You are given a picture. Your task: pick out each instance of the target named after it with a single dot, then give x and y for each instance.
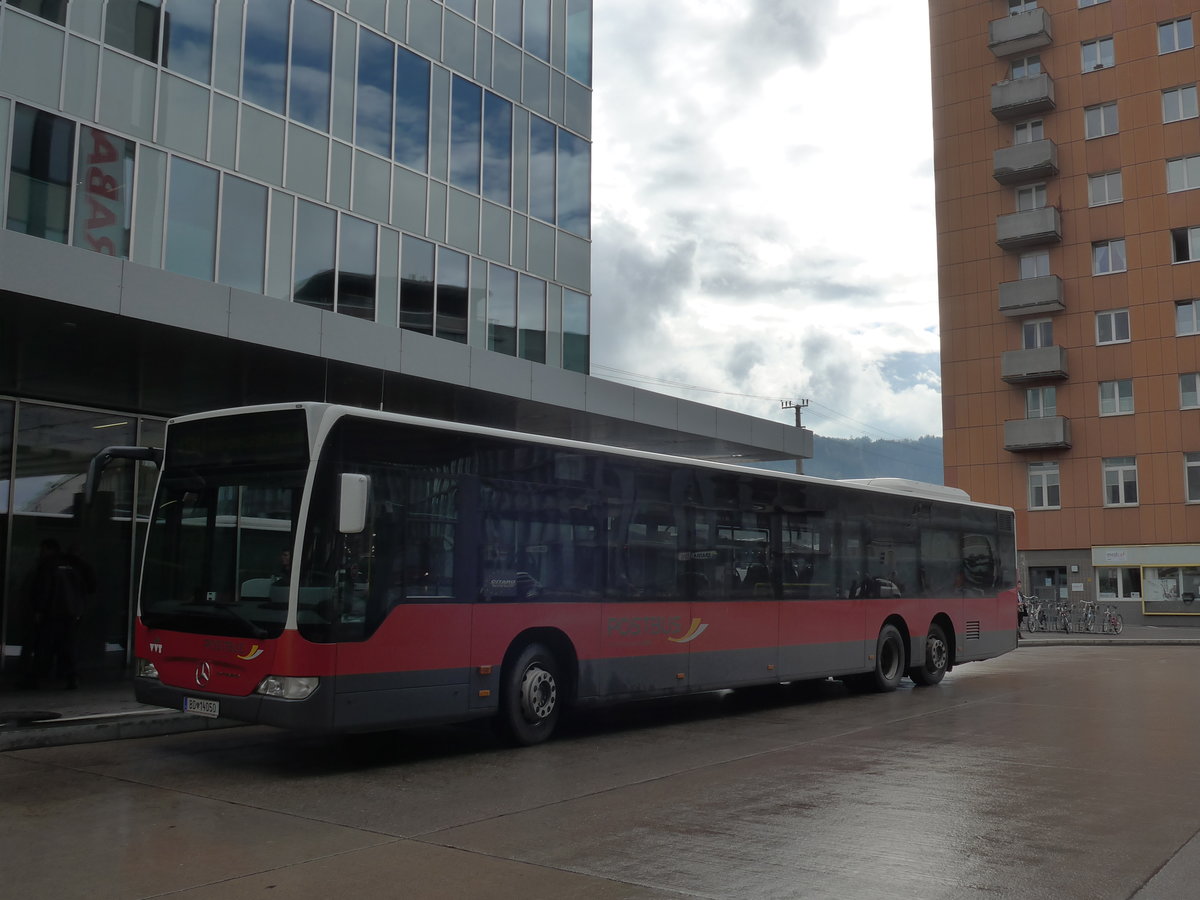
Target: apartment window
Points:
(1191, 470)
(1187, 317)
(1083, 3)
(1028, 132)
(1116, 397)
(1185, 244)
(1108, 257)
(1015, 7)
(1175, 35)
(1112, 326)
(1031, 197)
(1189, 390)
(1179, 103)
(1183, 174)
(1100, 120)
(1120, 481)
(1041, 403)
(1035, 265)
(1026, 67)
(1043, 485)
(1104, 189)
(1097, 54)
(1037, 333)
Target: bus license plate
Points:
(208, 708)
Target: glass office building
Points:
(211, 203)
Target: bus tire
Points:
(937, 658)
(889, 660)
(531, 697)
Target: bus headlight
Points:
(146, 669)
(287, 687)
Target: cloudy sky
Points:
(763, 208)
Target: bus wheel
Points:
(889, 660)
(937, 658)
(530, 703)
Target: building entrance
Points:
(1049, 582)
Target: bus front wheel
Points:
(531, 698)
(889, 660)
(937, 658)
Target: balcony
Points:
(1020, 33)
(1025, 162)
(1037, 364)
(1032, 296)
(1022, 97)
(1037, 434)
(1029, 228)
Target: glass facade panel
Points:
(465, 129)
(412, 111)
(416, 285)
(579, 40)
(51, 10)
(312, 64)
(576, 332)
(502, 310)
(508, 20)
(497, 149)
(132, 26)
(313, 273)
(103, 198)
(452, 296)
(574, 184)
(373, 104)
(243, 234)
(541, 169)
(537, 28)
(265, 67)
(188, 38)
(191, 220)
(357, 268)
(531, 319)
(39, 191)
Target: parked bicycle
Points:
(1111, 621)
(1035, 613)
(1064, 616)
(1087, 617)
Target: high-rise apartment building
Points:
(209, 203)
(1067, 156)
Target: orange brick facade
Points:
(1082, 535)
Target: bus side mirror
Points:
(354, 490)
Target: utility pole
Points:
(797, 405)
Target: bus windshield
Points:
(219, 553)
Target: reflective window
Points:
(1187, 317)
(466, 7)
(1191, 466)
(357, 269)
(502, 310)
(531, 319)
(1174, 36)
(576, 332)
(537, 28)
(465, 127)
(1097, 54)
(191, 220)
(452, 283)
(1037, 333)
(574, 184)
(508, 20)
(373, 103)
(1108, 257)
(497, 149)
(39, 191)
(541, 169)
(1043, 485)
(1116, 397)
(312, 62)
(416, 285)
(102, 201)
(313, 273)
(265, 69)
(579, 40)
(1120, 481)
(1035, 264)
(188, 38)
(1112, 326)
(51, 10)
(242, 261)
(412, 110)
(132, 26)
(1179, 103)
(1028, 132)
(1100, 120)
(1103, 189)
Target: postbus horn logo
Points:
(253, 653)
(693, 632)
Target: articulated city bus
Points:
(326, 568)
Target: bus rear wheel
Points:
(531, 699)
(937, 658)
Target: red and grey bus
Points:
(320, 567)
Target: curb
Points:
(104, 727)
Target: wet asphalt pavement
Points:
(1067, 771)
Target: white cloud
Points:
(763, 207)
